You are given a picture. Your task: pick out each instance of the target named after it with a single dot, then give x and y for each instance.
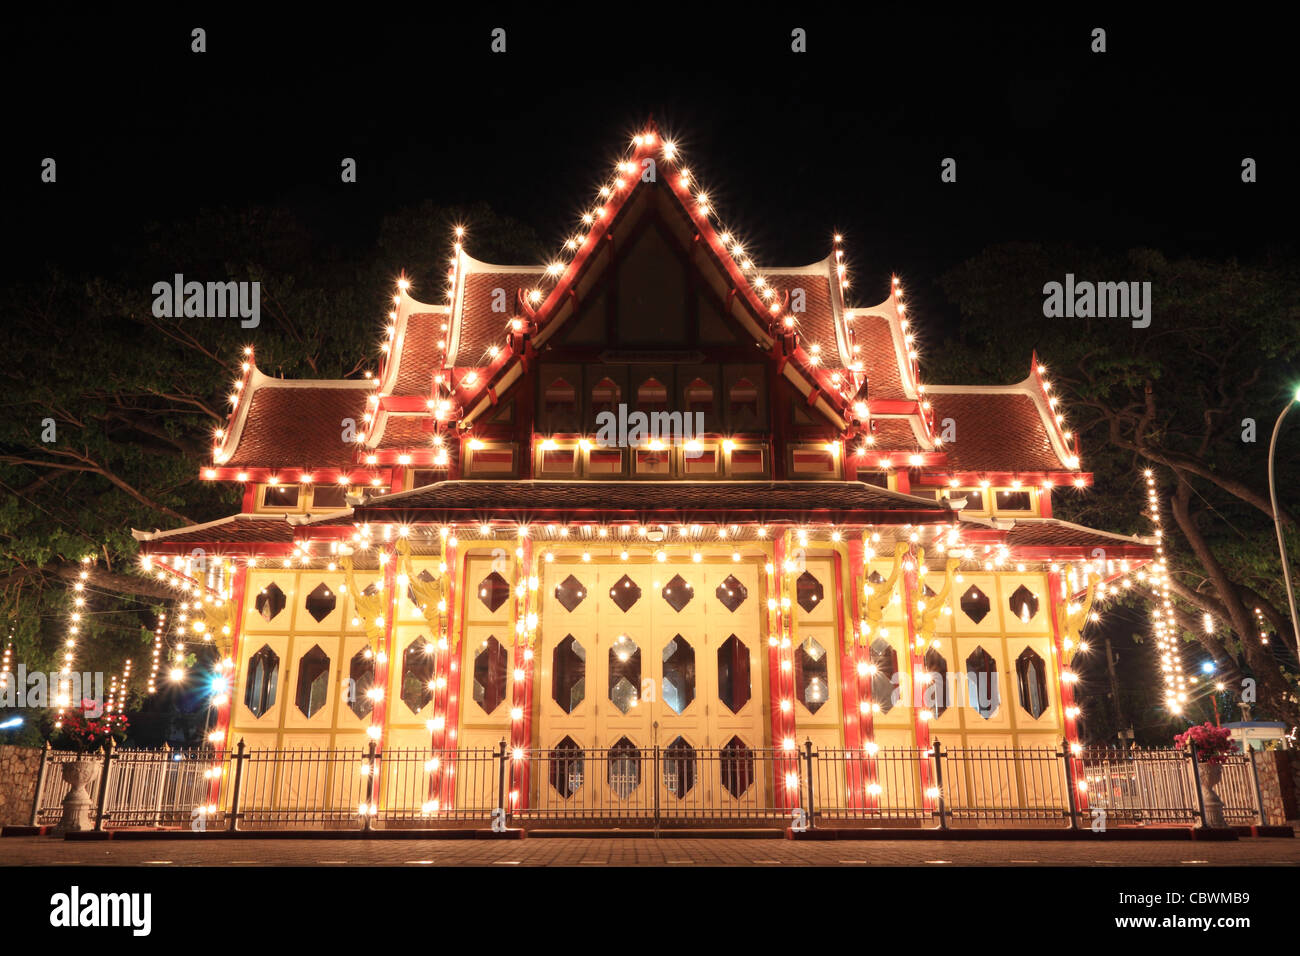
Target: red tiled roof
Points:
(994, 431)
(479, 326)
(403, 431)
(298, 427)
(871, 334)
(893, 434)
(238, 528)
(649, 501)
(418, 354)
(1059, 538)
(817, 323)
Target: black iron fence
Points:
(659, 787)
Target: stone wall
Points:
(18, 768)
(1278, 772)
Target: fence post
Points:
(1071, 787)
(40, 783)
(366, 820)
(1259, 794)
(937, 750)
(808, 761)
(1196, 781)
(239, 779)
(103, 785)
(501, 778)
(162, 784)
(656, 780)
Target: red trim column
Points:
(521, 711)
(911, 587)
(238, 589)
(1058, 601)
(850, 691)
(781, 683)
(379, 715)
(442, 727)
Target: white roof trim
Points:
(229, 519)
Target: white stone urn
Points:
(1211, 774)
(78, 805)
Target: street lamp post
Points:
(1277, 522)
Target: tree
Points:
(110, 409)
(1192, 397)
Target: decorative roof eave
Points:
(406, 306)
(358, 475)
(247, 535)
(975, 531)
(649, 502)
(1031, 386)
(254, 381)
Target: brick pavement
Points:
(678, 851)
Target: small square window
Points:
(421, 477)
(700, 462)
(280, 496)
(329, 496)
(653, 462)
(605, 461)
(747, 461)
(558, 461)
(1010, 500)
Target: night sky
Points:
(1141, 145)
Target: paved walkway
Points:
(40, 851)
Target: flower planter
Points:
(1211, 774)
(78, 805)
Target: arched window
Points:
(699, 397)
(605, 396)
(742, 405)
(652, 396)
(560, 406)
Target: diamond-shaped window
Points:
(270, 601)
(566, 767)
(975, 604)
(679, 674)
(570, 592)
(1031, 674)
(493, 591)
(731, 593)
(982, 682)
(568, 674)
(884, 659)
(679, 767)
(313, 681)
(934, 696)
(263, 674)
(371, 589)
(625, 593)
(1024, 603)
(417, 674)
(490, 665)
(812, 674)
(678, 592)
(320, 602)
(624, 768)
(361, 677)
(928, 591)
(624, 673)
(737, 766)
(808, 591)
(733, 673)
(875, 577)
